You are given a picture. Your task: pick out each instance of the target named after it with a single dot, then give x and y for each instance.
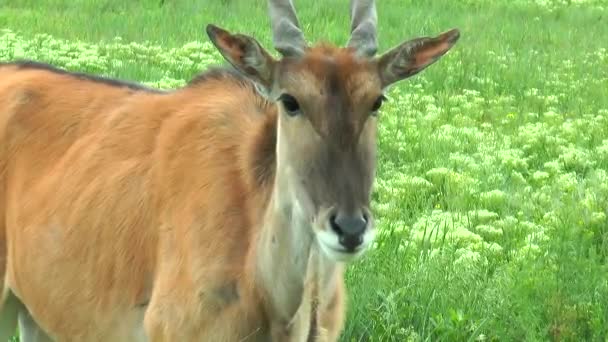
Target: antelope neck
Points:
(291, 271)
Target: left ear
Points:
(244, 53)
(411, 57)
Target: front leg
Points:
(162, 323)
(171, 314)
(331, 318)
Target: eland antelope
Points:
(225, 210)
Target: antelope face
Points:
(328, 100)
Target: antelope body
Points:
(222, 211)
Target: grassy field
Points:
(492, 191)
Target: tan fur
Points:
(201, 214)
(115, 196)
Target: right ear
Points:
(411, 57)
(244, 53)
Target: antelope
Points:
(225, 210)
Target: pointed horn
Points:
(286, 34)
(364, 21)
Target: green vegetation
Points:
(492, 192)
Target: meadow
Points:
(492, 189)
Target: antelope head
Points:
(328, 100)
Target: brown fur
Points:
(90, 171)
(101, 180)
(132, 215)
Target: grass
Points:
(492, 190)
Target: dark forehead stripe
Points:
(335, 118)
(340, 119)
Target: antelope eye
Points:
(377, 104)
(291, 105)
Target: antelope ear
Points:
(244, 53)
(411, 57)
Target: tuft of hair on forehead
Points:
(327, 48)
(342, 56)
(325, 61)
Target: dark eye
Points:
(291, 105)
(376, 106)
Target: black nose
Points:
(350, 229)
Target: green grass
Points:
(492, 193)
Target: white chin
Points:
(334, 251)
(341, 256)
